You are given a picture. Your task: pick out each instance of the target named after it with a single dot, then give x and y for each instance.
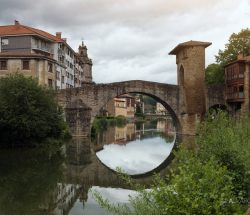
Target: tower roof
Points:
(189, 43)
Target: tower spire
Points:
(82, 41)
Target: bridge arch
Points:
(172, 112)
(97, 95)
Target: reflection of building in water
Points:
(166, 126)
(115, 135)
(122, 106)
(161, 125)
(66, 196)
(60, 200)
(124, 134)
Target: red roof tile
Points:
(18, 30)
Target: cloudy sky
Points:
(131, 39)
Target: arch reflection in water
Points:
(150, 147)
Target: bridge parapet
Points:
(215, 96)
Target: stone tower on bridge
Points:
(190, 60)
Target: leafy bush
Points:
(227, 140)
(29, 112)
(194, 188)
(212, 179)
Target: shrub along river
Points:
(52, 181)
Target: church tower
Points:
(87, 63)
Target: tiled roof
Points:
(18, 29)
(188, 43)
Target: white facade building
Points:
(44, 56)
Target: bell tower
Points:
(87, 63)
(190, 60)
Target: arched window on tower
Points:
(181, 76)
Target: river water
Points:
(49, 181)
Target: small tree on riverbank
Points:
(29, 112)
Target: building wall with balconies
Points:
(57, 64)
(17, 43)
(237, 83)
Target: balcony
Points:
(235, 96)
(45, 50)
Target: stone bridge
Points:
(96, 96)
(187, 102)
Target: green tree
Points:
(29, 112)
(238, 43)
(214, 74)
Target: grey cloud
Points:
(130, 39)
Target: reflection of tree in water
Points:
(155, 133)
(102, 124)
(152, 124)
(28, 183)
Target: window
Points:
(50, 67)
(241, 91)
(58, 75)
(26, 64)
(3, 65)
(5, 41)
(62, 79)
(50, 83)
(181, 76)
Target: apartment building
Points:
(122, 106)
(160, 109)
(237, 81)
(44, 56)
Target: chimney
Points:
(17, 22)
(59, 35)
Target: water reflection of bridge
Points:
(84, 170)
